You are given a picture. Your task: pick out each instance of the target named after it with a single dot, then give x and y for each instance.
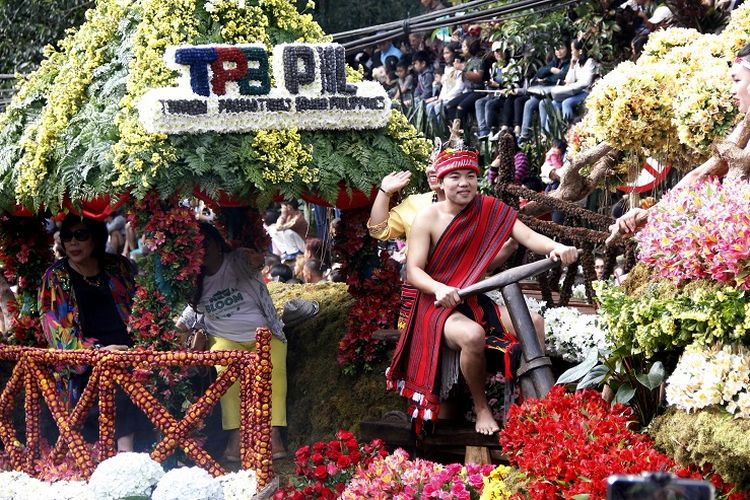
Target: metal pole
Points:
(538, 369)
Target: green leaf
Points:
(624, 394)
(594, 377)
(654, 377)
(579, 371)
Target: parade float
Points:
(145, 104)
(241, 103)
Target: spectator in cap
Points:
(487, 107)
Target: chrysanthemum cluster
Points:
(571, 334)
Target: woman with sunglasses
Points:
(234, 302)
(84, 303)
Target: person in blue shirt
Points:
(386, 49)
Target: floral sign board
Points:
(227, 88)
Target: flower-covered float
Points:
(112, 119)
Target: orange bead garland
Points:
(79, 414)
(106, 416)
(33, 375)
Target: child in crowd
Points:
(452, 87)
(404, 87)
(425, 76)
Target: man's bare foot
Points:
(485, 423)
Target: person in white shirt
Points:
(453, 86)
(234, 302)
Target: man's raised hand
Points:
(395, 182)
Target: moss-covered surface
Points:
(320, 399)
(707, 436)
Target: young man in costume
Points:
(451, 245)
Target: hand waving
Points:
(395, 182)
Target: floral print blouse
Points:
(59, 309)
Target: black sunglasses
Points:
(78, 234)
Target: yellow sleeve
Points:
(389, 229)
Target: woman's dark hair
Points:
(282, 272)
(474, 45)
(210, 233)
(294, 203)
(581, 47)
(98, 230)
(744, 51)
(270, 217)
(314, 246)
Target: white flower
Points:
(179, 110)
(188, 483)
(21, 486)
(708, 377)
(571, 334)
(239, 485)
(70, 490)
(125, 475)
(743, 405)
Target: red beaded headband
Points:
(450, 160)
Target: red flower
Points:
(320, 472)
(343, 462)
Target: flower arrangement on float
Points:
(702, 232)
(569, 444)
(660, 42)
(706, 110)
(322, 470)
(573, 335)
(631, 109)
(25, 252)
(397, 476)
(133, 476)
(119, 51)
(374, 282)
(716, 376)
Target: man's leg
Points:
(536, 318)
(467, 337)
